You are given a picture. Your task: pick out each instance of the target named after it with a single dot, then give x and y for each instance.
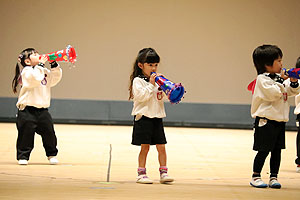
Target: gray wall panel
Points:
(118, 113)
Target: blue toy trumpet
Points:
(173, 91)
(292, 73)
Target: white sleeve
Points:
(141, 92)
(291, 91)
(55, 75)
(267, 89)
(297, 104)
(32, 76)
(297, 99)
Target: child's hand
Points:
(283, 75)
(44, 59)
(152, 78)
(158, 74)
(293, 80)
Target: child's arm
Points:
(55, 73)
(141, 92)
(297, 99)
(297, 104)
(292, 87)
(267, 89)
(32, 76)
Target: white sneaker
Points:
(143, 179)
(23, 162)
(53, 160)
(274, 183)
(165, 178)
(298, 169)
(257, 182)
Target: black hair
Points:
(25, 54)
(298, 63)
(264, 56)
(146, 55)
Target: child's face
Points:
(276, 67)
(148, 68)
(33, 59)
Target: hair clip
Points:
(20, 57)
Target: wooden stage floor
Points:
(206, 164)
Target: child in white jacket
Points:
(33, 102)
(271, 111)
(148, 111)
(297, 112)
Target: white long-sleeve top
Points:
(35, 86)
(297, 104)
(147, 99)
(269, 99)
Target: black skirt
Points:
(148, 131)
(269, 136)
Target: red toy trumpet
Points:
(66, 55)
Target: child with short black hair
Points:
(271, 111)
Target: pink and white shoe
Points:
(144, 179)
(165, 178)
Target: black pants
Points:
(33, 120)
(274, 161)
(297, 161)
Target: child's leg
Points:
(26, 129)
(275, 162)
(142, 177)
(274, 166)
(143, 155)
(163, 170)
(162, 155)
(298, 147)
(259, 162)
(257, 167)
(46, 130)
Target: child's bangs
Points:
(152, 58)
(29, 51)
